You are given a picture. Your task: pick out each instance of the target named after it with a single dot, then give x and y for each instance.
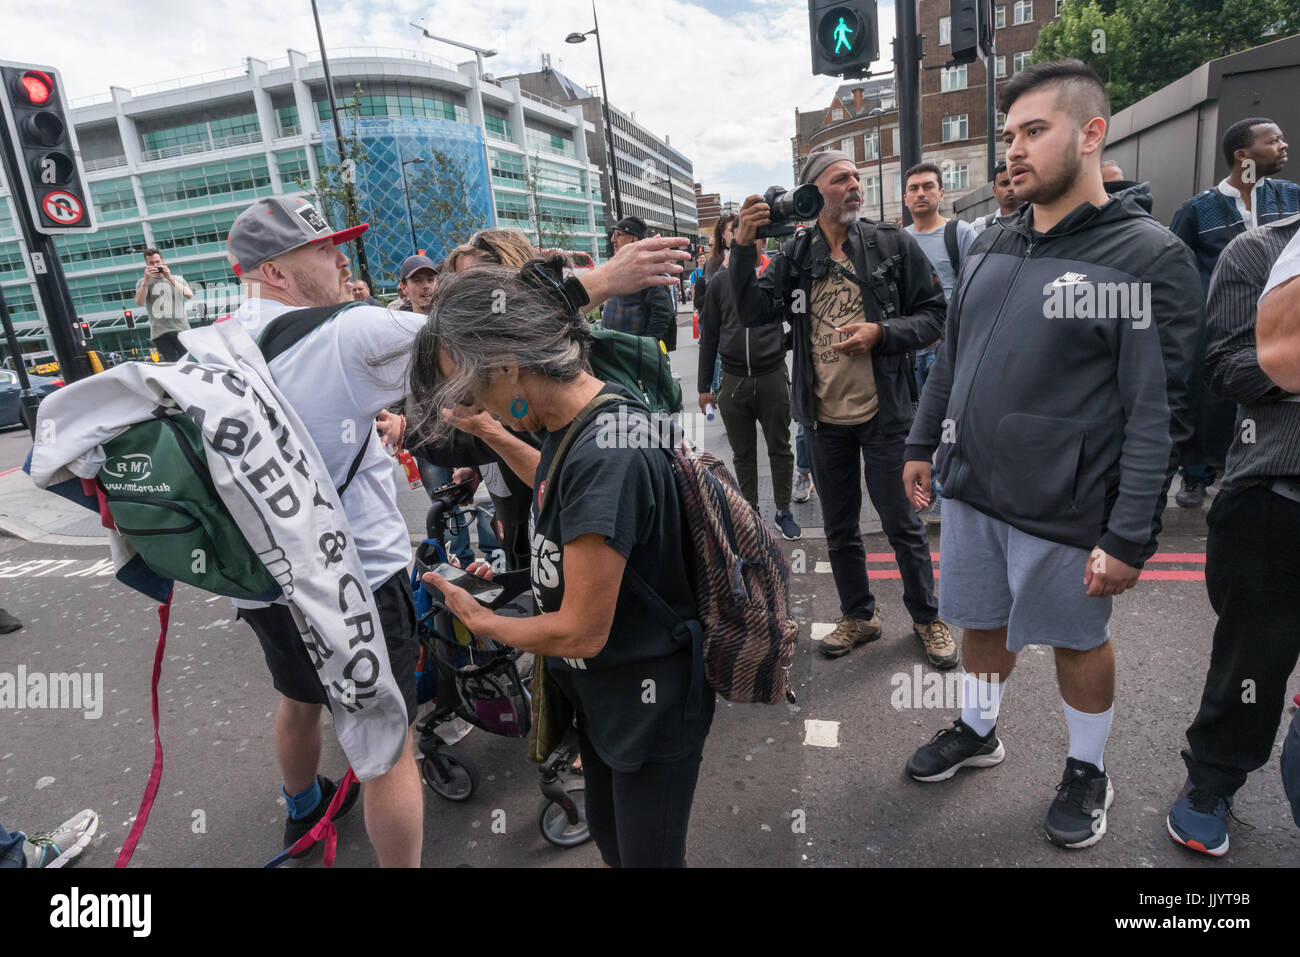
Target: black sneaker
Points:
(8, 622)
(294, 829)
(952, 749)
(1192, 494)
(1077, 817)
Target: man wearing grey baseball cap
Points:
(338, 378)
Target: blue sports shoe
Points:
(1199, 820)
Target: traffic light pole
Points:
(60, 316)
(27, 398)
(907, 63)
(991, 110)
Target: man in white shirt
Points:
(1005, 196)
(338, 378)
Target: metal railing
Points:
(104, 162)
(293, 129)
(201, 146)
(93, 100)
(194, 79)
(396, 53)
(542, 100)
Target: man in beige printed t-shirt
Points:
(844, 384)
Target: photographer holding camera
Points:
(859, 296)
(164, 295)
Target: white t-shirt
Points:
(329, 379)
(1248, 216)
(1286, 267)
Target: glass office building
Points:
(171, 165)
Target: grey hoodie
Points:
(1059, 396)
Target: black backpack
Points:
(950, 241)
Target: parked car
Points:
(42, 363)
(11, 410)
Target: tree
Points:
(439, 200)
(1139, 46)
(552, 232)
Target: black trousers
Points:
(835, 451)
(747, 402)
(169, 347)
(1252, 575)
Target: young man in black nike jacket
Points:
(1056, 405)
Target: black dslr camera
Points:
(789, 208)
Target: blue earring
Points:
(519, 407)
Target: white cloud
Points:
(722, 78)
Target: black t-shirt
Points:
(632, 696)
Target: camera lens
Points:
(806, 202)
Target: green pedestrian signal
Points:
(844, 37)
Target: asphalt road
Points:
(774, 790)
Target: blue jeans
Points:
(717, 375)
(11, 848)
(802, 464)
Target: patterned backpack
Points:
(740, 576)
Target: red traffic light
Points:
(126, 313)
(37, 87)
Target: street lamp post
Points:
(604, 97)
(880, 160)
(410, 217)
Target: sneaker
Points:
(57, 847)
(934, 514)
(940, 649)
(803, 487)
(1199, 820)
(848, 634)
(8, 622)
(1077, 817)
(1192, 494)
(295, 828)
(790, 531)
(952, 749)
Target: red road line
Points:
(10, 471)
(1198, 557)
(1167, 575)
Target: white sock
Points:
(980, 701)
(1088, 734)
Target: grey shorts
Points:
(993, 576)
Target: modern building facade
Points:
(171, 165)
(708, 207)
(646, 163)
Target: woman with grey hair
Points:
(606, 520)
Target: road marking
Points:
(822, 568)
(820, 629)
(821, 734)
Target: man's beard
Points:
(318, 294)
(1048, 191)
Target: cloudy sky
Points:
(721, 77)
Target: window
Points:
(1024, 11)
(898, 187)
(293, 170)
(956, 176)
(215, 183)
(286, 120)
(871, 190)
(507, 168)
(511, 210)
(954, 127)
(105, 293)
(953, 78)
(544, 141)
(12, 265)
(395, 105)
(114, 199)
(999, 66)
(871, 146)
(22, 303)
(7, 227)
(846, 146)
(837, 114)
(1020, 60)
(498, 127)
(111, 246)
(564, 180)
(945, 31)
(1001, 119)
(1057, 12)
(190, 235)
(999, 17)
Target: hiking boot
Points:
(953, 749)
(1199, 820)
(1077, 815)
(803, 487)
(940, 649)
(57, 847)
(294, 829)
(1192, 494)
(8, 622)
(848, 634)
(790, 531)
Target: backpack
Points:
(950, 242)
(159, 491)
(744, 634)
(638, 365)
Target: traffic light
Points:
(130, 319)
(845, 38)
(972, 29)
(45, 149)
(86, 334)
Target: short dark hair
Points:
(1080, 90)
(1000, 168)
(920, 168)
(1239, 137)
(151, 252)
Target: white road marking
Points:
(822, 568)
(821, 734)
(820, 629)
